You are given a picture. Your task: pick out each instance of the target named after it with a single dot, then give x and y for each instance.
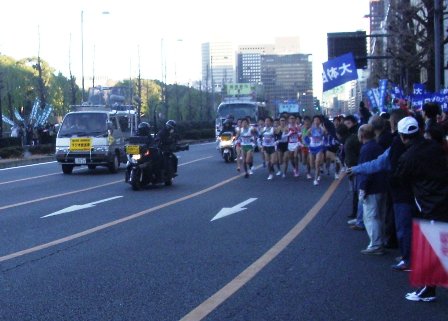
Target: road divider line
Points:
(116, 222)
(29, 165)
(28, 178)
(81, 190)
(209, 305)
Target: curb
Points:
(25, 161)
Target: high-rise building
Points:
(218, 64)
(248, 68)
(288, 78)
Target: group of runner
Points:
(290, 139)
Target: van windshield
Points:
(84, 124)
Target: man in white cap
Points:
(424, 167)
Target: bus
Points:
(240, 108)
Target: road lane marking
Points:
(28, 178)
(209, 305)
(116, 222)
(74, 208)
(82, 190)
(226, 211)
(18, 167)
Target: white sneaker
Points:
(250, 172)
(283, 176)
(279, 173)
(351, 222)
(315, 182)
(336, 176)
(308, 176)
(270, 177)
(318, 178)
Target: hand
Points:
(362, 194)
(349, 171)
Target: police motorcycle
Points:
(149, 162)
(226, 146)
(226, 142)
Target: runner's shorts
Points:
(269, 150)
(282, 147)
(317, 149)
(292, 147)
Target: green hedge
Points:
(10, 141)
(42, 149)
(11, 152)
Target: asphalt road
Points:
(157, 254)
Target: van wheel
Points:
(113, 167)
(67, 169)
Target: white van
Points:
(95, 135)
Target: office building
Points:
(218, 64)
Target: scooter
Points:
(226, 146)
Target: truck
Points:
(95, 133)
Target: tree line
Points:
(24, 80)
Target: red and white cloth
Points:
(429, 257)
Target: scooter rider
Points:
(167, 143)
(227, 126)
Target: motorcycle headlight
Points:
(136, 157)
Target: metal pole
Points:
(437, 46)
(213, 84)
(82, 53)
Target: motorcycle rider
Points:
(144, 134)
(227, 126)
(167, 141)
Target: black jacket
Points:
(423, 166)
(167, 141)
(352, 147)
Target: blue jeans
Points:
(403, 223)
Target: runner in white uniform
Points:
(294, 144)
(246, 139)
(268, 143)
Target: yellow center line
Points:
(244, 277)
(79, 190)
(116, 222)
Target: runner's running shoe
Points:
(425, 294)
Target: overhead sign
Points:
(239, 89)
(288, 108)
(339, 71)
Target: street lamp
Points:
(82, 53)
(82, 50)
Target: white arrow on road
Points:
(226, 211)
(80, 207)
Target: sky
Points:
(122, 37)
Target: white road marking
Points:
(226, 211)
(74, 208)
(16, 167)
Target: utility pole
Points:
(1, 113)
(437, 45)
(82, 53)
(139, 85)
